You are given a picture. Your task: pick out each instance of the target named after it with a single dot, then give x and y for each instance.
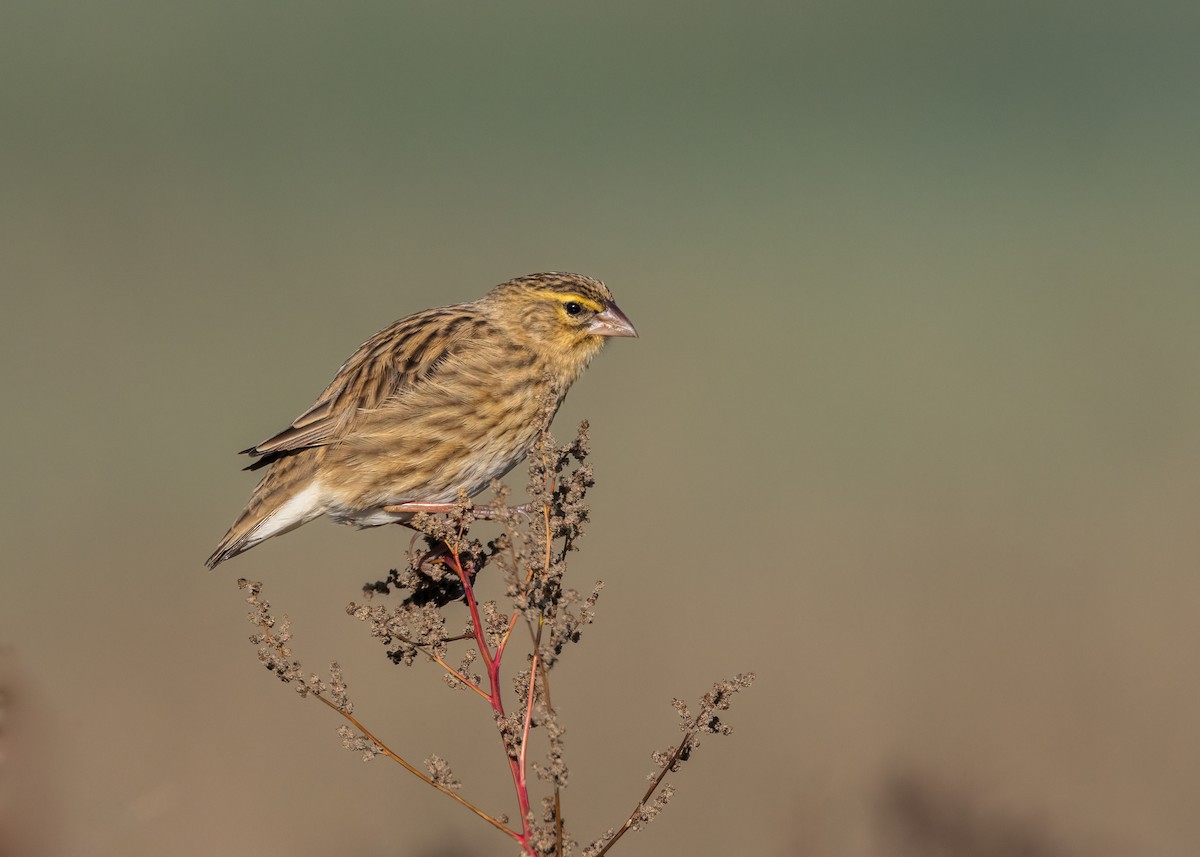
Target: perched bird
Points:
(442, 400)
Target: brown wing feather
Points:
(392, 360)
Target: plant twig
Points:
(395, 757)
(492, 664)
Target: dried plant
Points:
(531, 556)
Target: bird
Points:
(438, 402)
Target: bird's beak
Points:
(611, 322)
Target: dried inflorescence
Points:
(538, 614)
(555, 769)
(406, 630)
(658, 794)
(440, 773)
(272, 639)
(707, 720)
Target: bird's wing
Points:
(398, 357)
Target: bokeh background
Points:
(911, 429)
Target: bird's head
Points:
(564, 318)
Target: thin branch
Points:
(512, 620)
(421, 647)
(387, 751)
(493, 670)
(629, 822)
(558, 822)
(533, 672)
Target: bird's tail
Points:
(279, 505)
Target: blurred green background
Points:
(911, 428)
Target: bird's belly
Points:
(365, 507)
(375, 516)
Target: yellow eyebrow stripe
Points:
(565, 297)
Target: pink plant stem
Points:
(512, 623)
(533, 668)
(492, 664)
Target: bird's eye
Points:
(573, 307)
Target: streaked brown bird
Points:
(442, 400)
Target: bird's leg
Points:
(439, 553)
(431, 508)
(482, 513)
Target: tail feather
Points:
(243, 535)
(230, 546)
(277, 506)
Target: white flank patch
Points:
(302, 508)
(368, 517)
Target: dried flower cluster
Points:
(531, 555)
